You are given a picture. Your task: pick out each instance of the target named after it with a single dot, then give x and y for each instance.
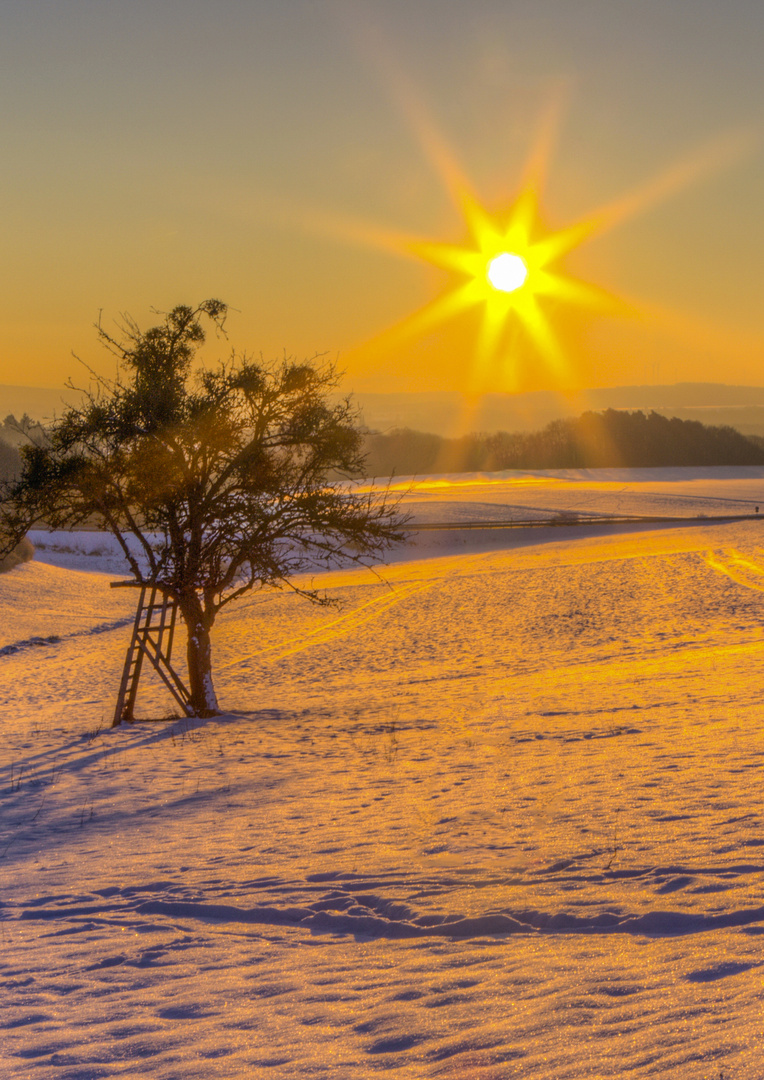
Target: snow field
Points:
(496, 816)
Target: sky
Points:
(277, 153)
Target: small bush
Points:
(22, 553)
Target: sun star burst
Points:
(509, 269)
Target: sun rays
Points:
(507, 270)
(510, 267)
(505, 278)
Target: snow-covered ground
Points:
(497, 815)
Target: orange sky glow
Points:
(343, 173)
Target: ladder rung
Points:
(155, 618)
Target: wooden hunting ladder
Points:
(152, 639)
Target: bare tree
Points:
(214, 482)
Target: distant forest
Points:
(13, 433)
(10, 461)
(610, 439)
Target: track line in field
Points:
(339, 627)
(361, 616)
(740, 569)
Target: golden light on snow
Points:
(507, 272)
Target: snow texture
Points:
(496, 815)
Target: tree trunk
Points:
(203, 698)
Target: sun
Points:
(509, 268)
(507, 272)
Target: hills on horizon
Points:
(448, 413)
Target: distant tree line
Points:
(610, 439)
(24, 428)
(13, 434)
(10, 460)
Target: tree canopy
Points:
(213, 481)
